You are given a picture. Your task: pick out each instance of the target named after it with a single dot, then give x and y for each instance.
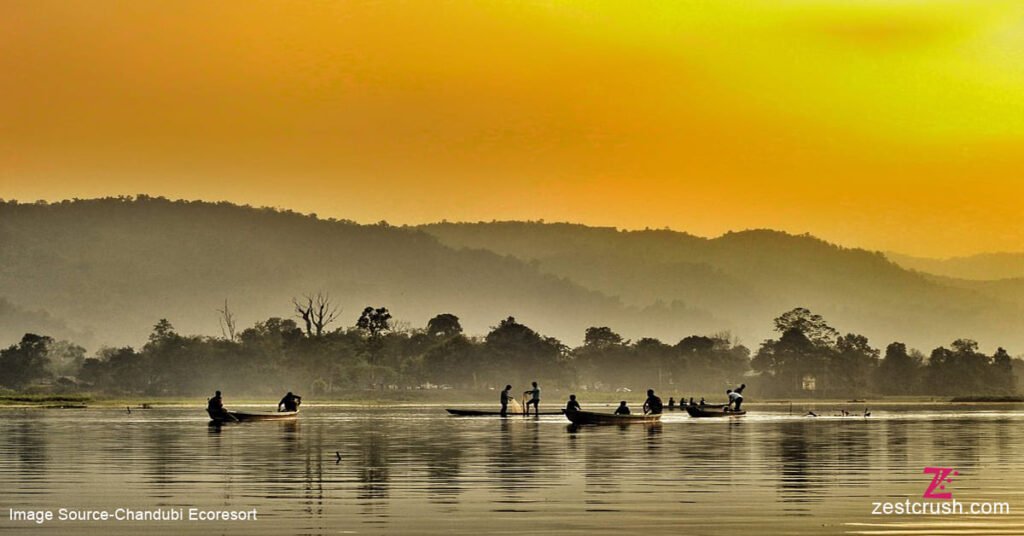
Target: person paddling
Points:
(572, 405)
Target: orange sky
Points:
(894, 125)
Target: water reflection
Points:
(416, 470)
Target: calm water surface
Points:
(419, 471)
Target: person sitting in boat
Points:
(653, 403)
(534, 399)
(572, 404)
(623, 409)
(215, 405)
(735, 400)
(505, 396)
(691, 401)
(671, 402)
(290, 402)
(702, 401)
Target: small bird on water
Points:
(338, 454)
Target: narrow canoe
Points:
(239, 416)
(491, 413)
(589, 417)
(707, 411)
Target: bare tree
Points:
(317, 312)
(227, 322)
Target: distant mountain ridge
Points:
(112, 267)
(749, 277)
(984, 266)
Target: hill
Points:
(104, 271)
(749, 277)
(113, 267)
(985, 266)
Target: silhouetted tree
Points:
(316, 312)
(899, 372)
(444, 325)
(374, 321)
(25, 362)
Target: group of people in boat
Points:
(735, 400)
(652, 405)
(532, 398)
(290, 402)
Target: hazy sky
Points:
(887, 124)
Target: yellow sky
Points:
(894, 125)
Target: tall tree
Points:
(25, 362)
(316, 312)
(444, 325)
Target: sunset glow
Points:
(892, 125)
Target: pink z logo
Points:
(939, 480)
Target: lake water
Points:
(419, 471)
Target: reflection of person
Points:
(623, 409)
(735, 399)
(653, 403)
(572, 404)
(534, 399)
(290, 402)
(504, 400)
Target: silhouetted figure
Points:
(534, 399)
(505, 396)
(215, 404)
(691, 401)
(623, 409)
(702, 401)
(866, 413)
(671, 402)
(290, 402)
(653, 403)
(572, 404)
(735, 400)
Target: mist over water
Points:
(417, 470)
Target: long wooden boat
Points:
(492, 413)
(708, 411)
(240, 416)
(590, 417)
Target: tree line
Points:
(808, 358)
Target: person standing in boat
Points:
(534, 399)
(290, 402)
(572, 404)
(671, 403)
(505, 396)
(623, 409)
(735, 399)
(652, 405)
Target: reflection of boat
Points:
(239, 416)
(589, 417)
(492, 413)
(712, 411)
